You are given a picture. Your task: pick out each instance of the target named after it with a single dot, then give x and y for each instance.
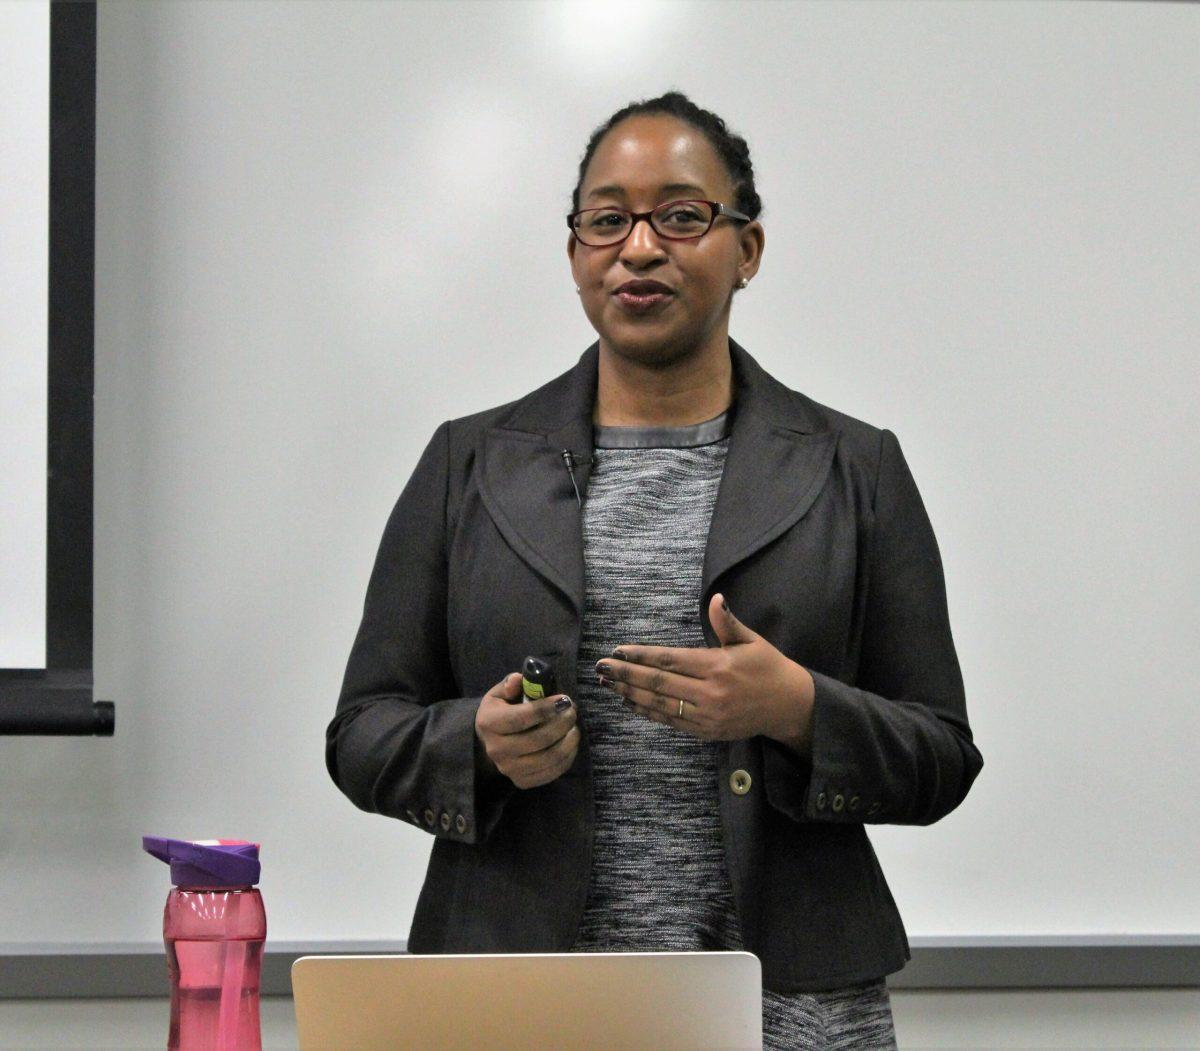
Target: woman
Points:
(743, 598)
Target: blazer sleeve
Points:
(401, 743)
(896, 746)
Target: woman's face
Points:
(642, 162)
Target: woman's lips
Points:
(642, 304)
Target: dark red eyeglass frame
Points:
(718, 209)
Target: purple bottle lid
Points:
(207, 862)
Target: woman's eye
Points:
(607, 219)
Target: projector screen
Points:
(47, 365)
(24, 336)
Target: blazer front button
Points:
(838, 802)
(820, 800)
(739, 782)
(445, 821)
(430, 817)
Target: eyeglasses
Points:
(675, 220)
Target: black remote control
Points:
(537, 680)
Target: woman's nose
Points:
(642, 239)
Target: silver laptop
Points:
(640, 1001)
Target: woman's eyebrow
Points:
(619, 191)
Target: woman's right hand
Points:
(530, 743)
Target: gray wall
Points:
(981, 233)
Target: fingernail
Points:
(724, 604)
(604, 681)
(620, 655)
(603, 669)
(562, 704)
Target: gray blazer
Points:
(821, 542)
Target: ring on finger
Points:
(679, 715)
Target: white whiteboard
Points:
(981, 232)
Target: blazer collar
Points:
(780, 452)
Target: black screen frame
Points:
(58, 699)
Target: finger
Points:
(522, 719)
(512, 753)
(507, 688)
(692, 661)
(729, 629)
(536, 739)
(495, 711)
(660, 710)
(505, 718)
(653, 715)
(560, 754)
(651, 680)
(540, 734)
(548, 765)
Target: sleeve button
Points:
(838, 803)
(873, 809)
(445, 821)
(820, 800)
(854, 803)
(430, 817)
(460, 824)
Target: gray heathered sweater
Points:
(659, 880)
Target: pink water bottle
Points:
(214, 927)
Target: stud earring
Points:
(577, 288)
(743, 283)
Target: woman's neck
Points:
(692, 389)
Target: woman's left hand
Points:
(744, 688)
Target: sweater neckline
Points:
(616, 436)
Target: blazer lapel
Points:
(779, 457)
(524, 481)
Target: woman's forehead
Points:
(642, 156)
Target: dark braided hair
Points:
(731, 148)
